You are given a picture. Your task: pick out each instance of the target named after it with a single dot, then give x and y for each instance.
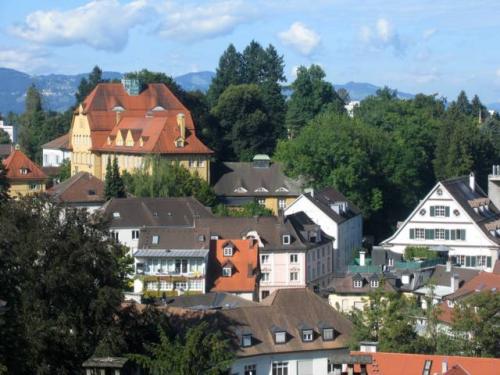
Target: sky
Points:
(429, 46)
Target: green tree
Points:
(4, 184)
(162, 178)
(462, 104)
(64, 170)
(114, 187)
(311, 95)
(62, 278)
(244, 121)
(88, 84)
(228, 72)
(248, 210)
(199, 351)
(4, 137)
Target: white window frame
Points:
(440, 211)
(250, 370)
(228, 251)
(280, 368)
(419, 233)
(264, 276)
(261, 201)
(227, 271)
(281, 203)
(286, 239)
(246, 340)
(374, 283)
(280, 337)
(155, 240)
(135, 234)
(328, 334)
(307, 335)
(264, 258)
(439, 234)
(294, 258)
(358, 283)
(294, 276)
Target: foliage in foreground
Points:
(248, 210)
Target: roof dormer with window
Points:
(306, 333)
(228, 249)
(286, 239)
(279, 335)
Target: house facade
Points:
(131, 123)
(338, 218)
(56, 151)
(24, 176)
(455, 218)
(260, 181)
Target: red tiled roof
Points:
(80, 188)
(445, 313)
(244, 264)
(496, 269)
(157, 128)
(404, 364)
(482, 282)
(457, 370)
(18, 161)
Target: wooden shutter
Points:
(446, 234)
(473, 261)
(462, 234)
(432, 211)
(447, 211)
(453, 231)
(488, 262)
(412, 234)
(467, 261)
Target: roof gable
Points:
(20, 167)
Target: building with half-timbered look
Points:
(129, 121)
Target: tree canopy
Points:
(114, 186)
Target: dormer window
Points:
(261, 190)
(280, 337)
(374, 283)
(328, 334)
(286, 239)
(240, 190)
(282, 190)
(155, 240)
(307, 335)
(23, 170)
(357, 283)
(246, 340)
(179, 142)
(228, 249)
(227, 271)
(116, 215)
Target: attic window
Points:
(158, 108)
(307, 335)
(179, 142)
(282, 190)
(358, 283)
(286, 239)
(280, 337)
(116, 215)
(261, 190)
(155, 240)
(327, 334)
(246, 340)
(228, 251)
(227, 271)
(374, 283)
(91, 192)
(427, 367)
(201, 238)
(240, 190)
(23, 170)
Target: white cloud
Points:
(25, 59)
(300, 37)
(498, 72)
(189, 22)
(429, 33)
(382, 35)
(100, 24)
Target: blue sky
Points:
(438, 46)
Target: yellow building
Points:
(260, 181)
(122, 121)
(24, 176)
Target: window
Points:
(114, 235)
(358, 283)
(327, 334)
(280, 337)
(246, 340)
(294, 276)
(420, 234)
(483, 261)
(264, 276)
(264, 294)
(439, 234)
(390, 262)
(280, 368)
(165, 285)
(152, 285)
(457, 234)
(24, 170)
(155, 240)
(281, 203)
(250, 370)
(135, 234)
(180, 285)
(286, 239)
(460, 259)
(116, 215)
(374, 283)
(33, 186)
(334, 368)
(261, 201)
(201, 163)
(196, 284)
(427, 367)
(192, 163)
(226, 271)
(264, 258)
(307, 335)
(440, 211)
(228, 251)
(294, 258)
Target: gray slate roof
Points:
(211, 300)
(324, 198)
(245, 175)
(167, 212)
(174, 238)
(442, 277)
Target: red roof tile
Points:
(158, 128)
(21, 168)
(404, 364)
(243, 262)
(482, 282)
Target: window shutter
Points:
(412, 234)
(431, 234)
(488, 262)
(427, 234)
(447, 234)
(473, 261)
(453, 231)
(462, 234)
(432, 211)
(447, 211)
(467, 261)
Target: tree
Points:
(87, 85)
(462, 104)
(114, 187)
(248, 210)
(244, 121)
(162, 178)
(4, 184)
(4, 137)
(64, 170)
(311, 95)
(199, 351)
(62, 277)
(228, 72)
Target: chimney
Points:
(494, 186)
(448, 266)
(362, 261)
(444, 366)
(454, 282)
(181, 122)
(472, 181)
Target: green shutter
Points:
(446, 234)
(432, 236)
(412, 234)
(462, 234)
(488, 262)
(453, 231)
(432, 210)
(447, 211)
(467, 261)
(473, 261)
(427, 234)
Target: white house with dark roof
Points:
(456, 218)
(337, 217)
(56, 151)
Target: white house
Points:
(128, 215)
(456, 217)
(337, 217)
(10, 130)
(56, 151)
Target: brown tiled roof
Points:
(288, 309)
(244, 261)
(18, 161)
(405, 364)
(344, 285)
(60, 143)
(80, 188)
(442, 277)
(158, 128)
(210, 300)
(496, 269)
(5, 150)
(139, 212)
(484, 281)
(51, 171)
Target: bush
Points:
(422, 252)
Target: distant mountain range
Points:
(58, 90)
